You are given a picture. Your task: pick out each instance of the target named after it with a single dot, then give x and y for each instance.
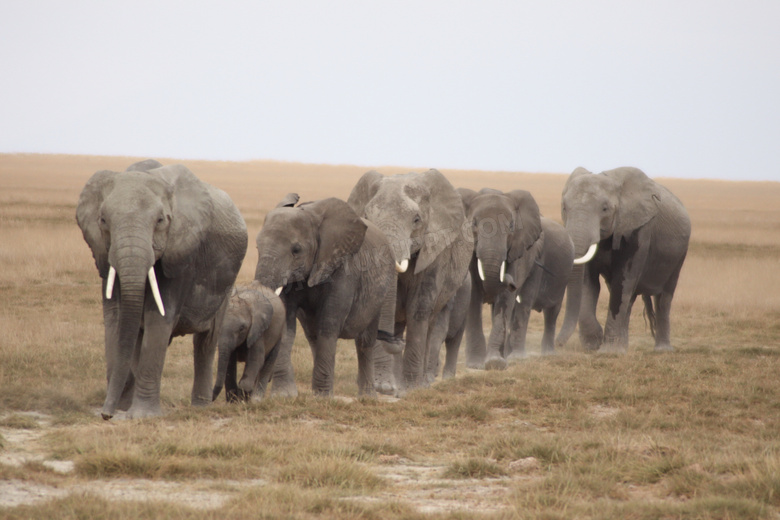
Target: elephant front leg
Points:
(415, 354)
(283, 379)
(475, 337)
(495, 358)
(149, 367)
(548, 338)
(518, 332)
(324, 364)
(364, 345)
(590, 331)
(436, 336)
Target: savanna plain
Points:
(694, 433)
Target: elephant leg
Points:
(324, 364)
(452, 343)
(386, 365)
(204, 346)
(548, 338)
(521, 312)
(261, 383)
(364, 345)
(283, 379)
(415, 354)
(590, 331)
(149, 367)
(494, 359)
(231, 379)
(475, 337)
(616, 327)
(663, 309)
(436, 336)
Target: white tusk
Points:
(278, 290)
(519, 300)
(403, 266)
(481, 271)
(588, 255)
(156, 291)
(503, 271)
(110, 282)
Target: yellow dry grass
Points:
(692, 434)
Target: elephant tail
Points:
(649, 313)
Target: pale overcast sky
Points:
(679, 88)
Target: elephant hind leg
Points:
(364, 345)
(548, 338)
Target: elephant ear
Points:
(466, 195)
(340, 233)
(289, 200)
(528, 224)
(364, 191)
(88, 213)
(445, 219)
(262, 312)
(638, 201)
(144, 166)
(192, 213)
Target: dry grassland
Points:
(690, 434)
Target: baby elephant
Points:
(252, 333)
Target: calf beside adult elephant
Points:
(326, 264)
(634, 233)
(252, 333)
(168, 248)
(521, 262)
(422, 216)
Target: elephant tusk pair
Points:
(482, 270)
(588, 256)
(152, 281)
(403, 266)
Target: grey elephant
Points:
(168, 248)
(422, 216)
(327, 265)
(252, 333)
(521, 262)
(634, 233)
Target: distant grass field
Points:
(689, 434)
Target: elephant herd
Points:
(402, 266)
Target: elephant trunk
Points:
(255, 357)
(270, 274)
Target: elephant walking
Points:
(252, 332)
(634, 233)
(326, 263)
(422, 216)
(168, 248)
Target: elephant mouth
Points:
(111, 280)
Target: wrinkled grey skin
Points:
(642, 231)
(333, 278)
(195, 238)
(449, 328)
(252, 333)
(422, 216)
(542, 291)
(507, 232)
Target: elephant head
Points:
(140, 225)
(602, 210)
(306, 243)
(420, 213)
(507, 236)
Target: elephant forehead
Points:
(591, 188)
(491, 204)
(287, 221)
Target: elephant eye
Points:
(296, 249)
(605, 209)
(416, 220)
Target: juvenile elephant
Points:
(252, 333)
(327, 265)
(633, 232)
(422, 216)
(168, 248)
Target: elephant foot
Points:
(142, 411)
(548, 351)
(495, 363)
(664, 347)
(613, 348)
(516, 356)
(391, 344)
(385, 385)
(284, 389)
(448, 374)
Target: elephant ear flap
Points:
(192, 212)
(262, 313)
(639, 196)
(340, 235)
(364, 191)
(528, 224)
(466, 195)
(445, 220)
(88, 214)
(288, 201)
